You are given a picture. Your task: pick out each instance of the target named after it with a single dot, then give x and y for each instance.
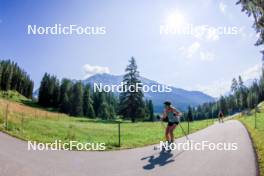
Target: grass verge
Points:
(257, 134)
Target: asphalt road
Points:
(16, 160)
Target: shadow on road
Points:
(161, 160)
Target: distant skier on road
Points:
(221, 117)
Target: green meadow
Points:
(31, 123)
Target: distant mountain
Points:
(179, 97)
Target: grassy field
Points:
(39, 125)
(257, 134)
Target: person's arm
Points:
(164, 115)
(178, 113)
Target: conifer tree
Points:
(190, 115)
(65, 91)
(77, 100)
(88, 110)
(131, 101)
(43, 98)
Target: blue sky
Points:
(207, 63)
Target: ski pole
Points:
(184, 132)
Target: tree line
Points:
(75, 98)
(241, 98)
(12, 77)
(78, 99)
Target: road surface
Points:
(16, 160)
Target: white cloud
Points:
(192, 49)
(195, 51)
(212, 35)
(214, 89)
(90, 70)
(222, 7)
(200, 32)
(222, 86)
(252, 72)
(207, 56)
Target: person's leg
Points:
(167, 136)
(171, 132)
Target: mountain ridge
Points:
(179, 97)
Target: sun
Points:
(175, 19)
